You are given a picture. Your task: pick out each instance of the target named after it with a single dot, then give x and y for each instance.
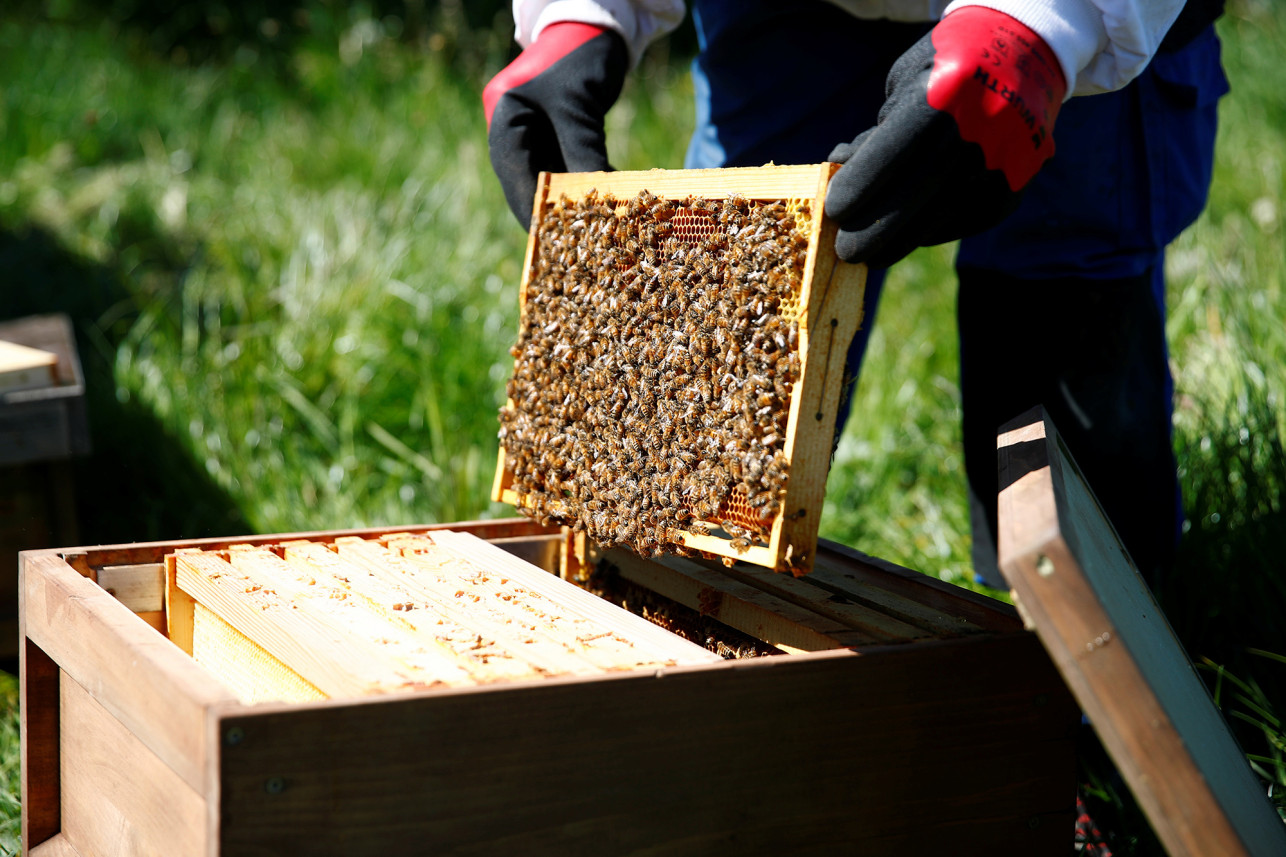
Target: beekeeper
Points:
(945, 115)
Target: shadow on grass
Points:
(1227, 596)
(267, 30)
(138, 483)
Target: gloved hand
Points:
(967, 121)
(545, 110)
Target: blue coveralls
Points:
(1073, 281)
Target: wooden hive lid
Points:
(1075, 584)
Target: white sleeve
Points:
(638, 21)
(1101, 44)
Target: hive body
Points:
(132, 746)
(680, 360)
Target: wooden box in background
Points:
(42, 427)
(904, 716)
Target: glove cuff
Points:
(555, 42)
(1002, 84)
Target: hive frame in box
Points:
(830, 311)
(948, 744)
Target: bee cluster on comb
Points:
(679, 361)
(655, 365)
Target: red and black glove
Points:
(968, 119)
(545, 110)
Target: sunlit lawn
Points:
(299, 267)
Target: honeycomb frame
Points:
(830, 301)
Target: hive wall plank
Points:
(38, 714)
(140, 587)
(118, 798)
(89, 557)
(744, 608)
(142, 679)
(800, 591)
(394, 775)
(919, 598)
(1095, 615)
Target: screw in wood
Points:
(234, 736)
(274, 785)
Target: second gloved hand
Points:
(967, 121)
(545, 110)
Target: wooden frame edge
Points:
(1189, 776)
(800, 516)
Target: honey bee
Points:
(647, 354)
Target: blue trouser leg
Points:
(1092, 352)
(1131, 171)
(1063, 304)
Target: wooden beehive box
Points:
(680, 360)
(43, 425)
(43, 421)
(900, 716)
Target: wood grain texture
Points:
(767, 182)
(89, 558)
(407, 652)
(142, 679)
(752, 611)
(336, 660)
(1107, 635)
(879, 625)
(822, 757)
(243, 666)
(179, 608)
(492, 623)
(58, 846)
(483, 659)
(140, 587)
(575, 601)
(850, 572)
(119, 799)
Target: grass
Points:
(294, 283)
